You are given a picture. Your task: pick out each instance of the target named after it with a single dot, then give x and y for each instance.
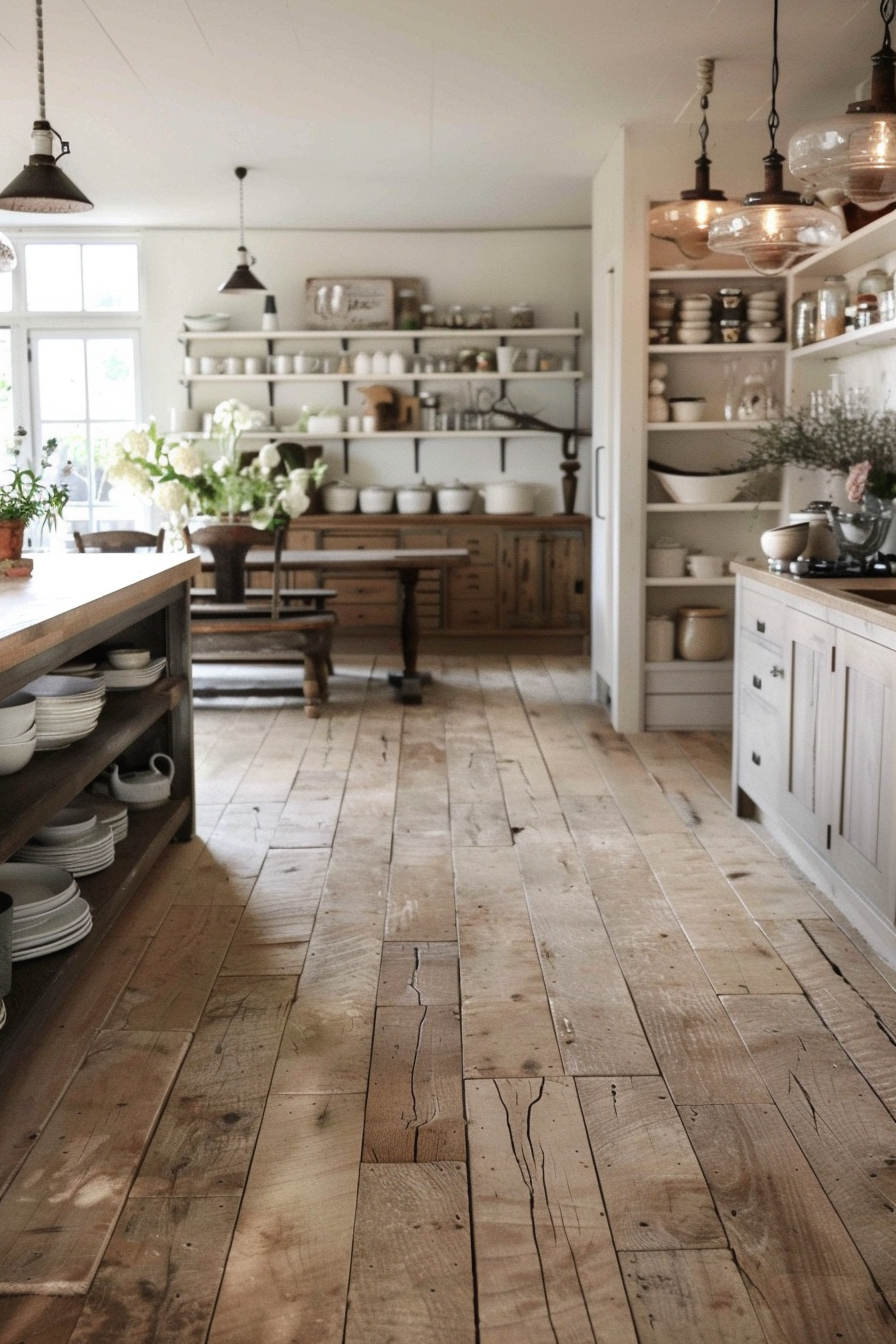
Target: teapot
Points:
(142, 789)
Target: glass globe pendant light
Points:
(242, 281)
(42, 187)
(773, 229)
(854, 156)
(686, 222)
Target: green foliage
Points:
(26, 497)
(833, 443)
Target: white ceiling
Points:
(393, 113)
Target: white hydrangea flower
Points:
(138, 442)
(221, 467)
(185, 459)
(269, 457)
(232, 416)
(293, 499)
(170, 496)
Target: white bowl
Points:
(376, 499)
(687, 410)
(413, 499)
(340, 497)
(29, 735)
(128, 658)
(719, 488)
(16, 714)
(706, 566)
(207, 321)
(666, 562)
(692, 336)
(785, 543)
(455, 498)
(15, 755)
(69, 824)
(762, 333)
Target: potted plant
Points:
(849, 440)
(25, 497)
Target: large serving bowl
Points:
(16, 755)
(691, 488)
(860, 534)
(785, 543)
(16, 714)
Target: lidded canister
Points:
(702, 634)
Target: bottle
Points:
(269, 320)
(804, 320)
(427, 315)
(833, 297)
(408, 316)
(522, 315)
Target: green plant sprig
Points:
(834, 443)
(25, 496)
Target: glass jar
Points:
(522, 315)
(487, 319)
(803, 325)
(833, 297)
(662, 305)
(407, 318)
(875, 281)
(429, 412)
(866, 311)
(427, 315)
(456, 316)
(702, 634)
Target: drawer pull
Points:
(760, 626)
(777, 671)
(757, 682)
(757, 760)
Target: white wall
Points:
(551, 268)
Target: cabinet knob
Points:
(757, 682)
(777, 671)
(756, 759)
(760, 626)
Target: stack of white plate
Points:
(75, 840)
(67, 708)
(131, 678)
(48, 910)
(107, 809)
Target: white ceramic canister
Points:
(376, 499)
(666, 559)
(397, 363)
(340, 497)
(363, 363)
(379, 363)
(414, 498)
(455, 498)
(702, 634)
(659, 644)
(821, 544)
(508, 497)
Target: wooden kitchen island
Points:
(72, 607)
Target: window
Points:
(81, 277)
(85, 397)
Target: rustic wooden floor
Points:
(473, 1021)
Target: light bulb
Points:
(686, 224)
(871, 165)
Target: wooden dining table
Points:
(407, 564)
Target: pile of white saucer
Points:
(75, 840)
(67, 708)
(109, 810)
(131, 678)
(48, 912)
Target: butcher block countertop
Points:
(68, 592)
(869, 600)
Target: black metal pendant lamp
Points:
(42, 187)
(686, 222)
(242, 281)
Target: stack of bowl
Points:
(18, 731)
(694, 319)
(764, 316)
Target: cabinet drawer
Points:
(477, 581)
(355, 541)
(762, 670)
(481, 542)
(423, 539)
(357, 588)
(758, 755)
(762, 616)
(363, 614)
(465, 613)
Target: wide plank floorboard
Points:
(470, 1022)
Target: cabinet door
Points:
(522, 578)
(862, 840)
(566, 586)
(806, 794)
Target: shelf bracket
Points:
(416, 456)
(345, 456)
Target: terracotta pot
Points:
(12, 539)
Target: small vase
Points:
(12, 539)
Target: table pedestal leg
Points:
(409, 681)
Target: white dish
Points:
(28, 736)
(74, 668)
(719, 488)
(57, 686)
(128, 658)
(16, 714)
(65, 919)
(207, 321)
(67, 940)
(686, 338)
(687, 410)
(15, 756)
(68, 824)
(14, 877)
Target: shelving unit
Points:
(344, 341)
(683, 694)
(68, 607)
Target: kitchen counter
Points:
(865, 599)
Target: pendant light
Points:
(686, 222)
(242, 281)
(773, 228)
(42, 187)
(854, 155)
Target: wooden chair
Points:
(117, 542)
(257, 631)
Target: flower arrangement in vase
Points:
(848, 440)
(178, 477)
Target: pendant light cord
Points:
(774, 120)
(887, 11)
(705, 69)
(240, 173)
(41, 95)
